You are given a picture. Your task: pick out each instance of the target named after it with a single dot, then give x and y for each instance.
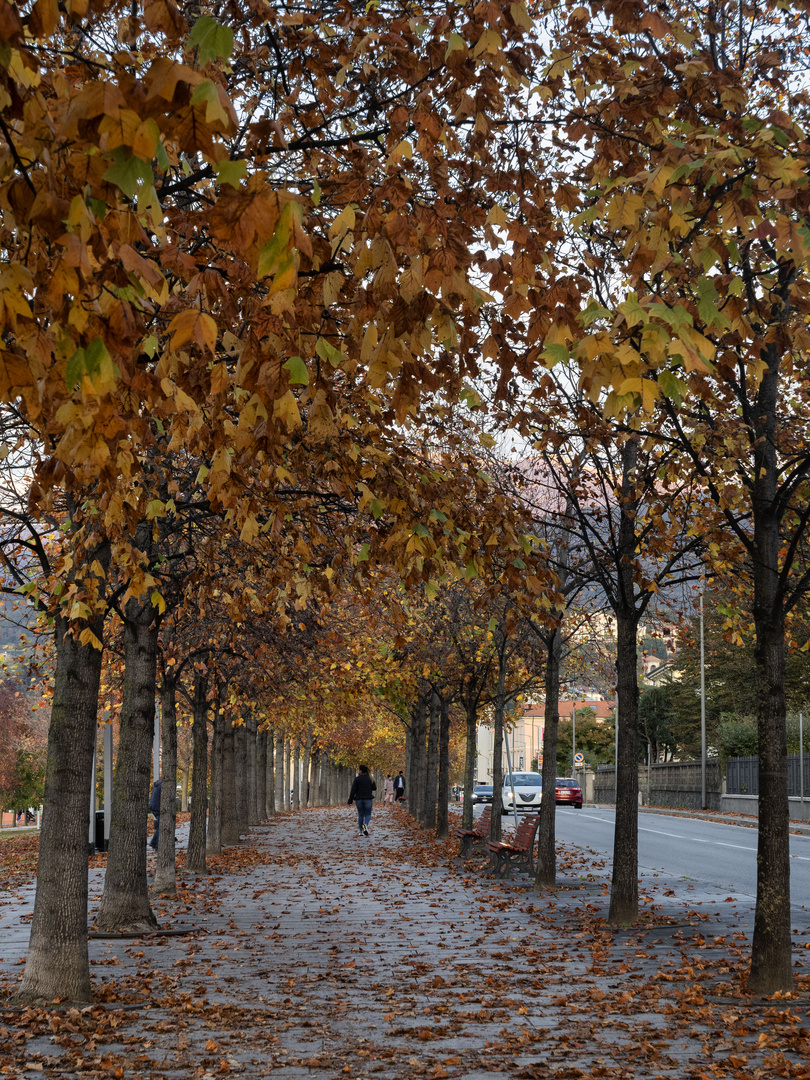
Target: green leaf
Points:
(74, 369)
(432, 589)
(326, 351)
(455, 42)
(299, 375)
(593, 311)
(95, 354)
(154, 509)
(128, 173)
(363, 555)
(231, 172)
(377, 509)
(212, 40)
(671, 386)
(420, 530)
(556, 353)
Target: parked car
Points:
(528, 788)
(482, 793)
(568, 791)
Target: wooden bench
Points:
(473, 840)
(514, 854)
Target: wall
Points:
(673, 783)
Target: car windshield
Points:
(483, 787)
(567, 783)
(524, 779)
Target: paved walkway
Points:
(317, 953)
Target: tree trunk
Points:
(470, 755)
(624, 888)
(125, 900)
(261, 776)
(442, 807)
(195, 856)
(417, 769)
(213, 844)
(306, 781)
(270, 787)
(495, 827)
(296, 784)
(165, 883)
(287, 773)
(771, 968)
(546, 874)
(57, 964)
(240, 778)
(279, 771)
(184, 792)
(432, 763)
(253, 817)
(230, 814)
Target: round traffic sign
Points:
(579, 759)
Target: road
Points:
(676, 852)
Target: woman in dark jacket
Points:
(362, 795)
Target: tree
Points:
(695, 209)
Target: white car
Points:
(528, 788)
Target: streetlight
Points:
(702, 711)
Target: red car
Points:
(568, 791)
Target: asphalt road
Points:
(688, 854)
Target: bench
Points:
(473, 839)
(517, 853)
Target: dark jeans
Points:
(154, 841)
(363, 812)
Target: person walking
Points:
(362, 795)
(399, 787)
(388, 791)
(154, 806)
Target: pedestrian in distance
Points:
(154, 806)
(388, 791)
(399, 787)
(362, 795)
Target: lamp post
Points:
(573, 737)
(702, 712)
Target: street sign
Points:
(579, 759)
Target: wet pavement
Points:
(314, 952)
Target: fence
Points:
(742, 775)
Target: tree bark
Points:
(442, 804)
(296, 764)
(496, 821)
(432, 763)
(546, 873)
(287, 773)
(270, 789)
(624, 887)
(184, 792)
(261, 776)
(253, 817)
(279, 771)
(125, 899)
(470, 756)
(306, 781)
(195, 856)
(213, 844)
(165, 883)
(57, 964)
(771, 967)
(230, 814)
(240, 778)
(416, 772)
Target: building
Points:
(526, 734)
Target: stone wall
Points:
(673, 783)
